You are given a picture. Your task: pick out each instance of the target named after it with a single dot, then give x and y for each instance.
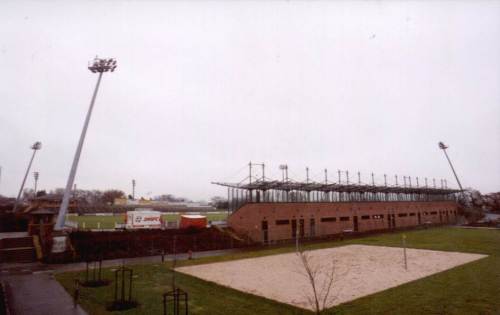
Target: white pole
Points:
(65, 202)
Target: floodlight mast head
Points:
(36, 146)
(284, 169)
(442, 146)
(100, 65)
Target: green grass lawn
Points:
(108, 221)
(473, 288)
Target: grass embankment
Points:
(473, 288)
(108, 221)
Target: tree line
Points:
(107, 197)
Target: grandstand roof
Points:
(335, 187)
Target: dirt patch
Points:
(359, 270)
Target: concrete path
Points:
(478, 227)
(38, 294)
(28, 268)
(32, 289)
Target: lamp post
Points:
(36, 174)
(133, 189)
(284, 169)
(35, 147)
(443, 147)
(96, 66)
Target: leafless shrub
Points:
(321, 277)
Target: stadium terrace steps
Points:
(17, 249)
(26, 241)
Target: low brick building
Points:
(270, 222)
(268, 211)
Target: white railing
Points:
(219, 223)
(71, 224)
(120, 225)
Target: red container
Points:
(191, 220)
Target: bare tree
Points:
(470, 204)
(219, 202)
(28, 193)
(492, 201)
(170, 198)
(321, 278)
(109, 196)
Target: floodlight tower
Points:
(99, 66)
(443, 147)
(35, 147)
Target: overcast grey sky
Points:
(204, 87)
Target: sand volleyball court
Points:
(358, 270)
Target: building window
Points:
(412, 214)
(365, 217)
(402, 215)
(378, 216)
(282, 222)
(330, 219)
(434, 212)
(345, 218)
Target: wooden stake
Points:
(404, 251)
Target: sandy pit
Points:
(357, 270)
